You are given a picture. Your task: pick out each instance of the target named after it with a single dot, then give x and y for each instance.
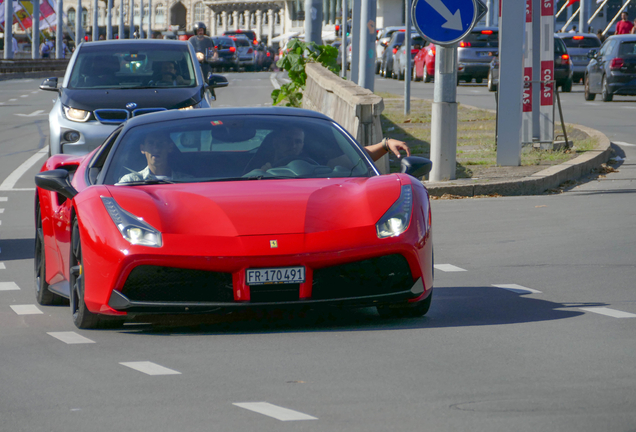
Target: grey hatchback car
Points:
(475, 52)
(579, 45)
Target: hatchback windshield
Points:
(223, 148)
(130, 65)
(483, 39)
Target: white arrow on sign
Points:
(453, 21)
(33, 114)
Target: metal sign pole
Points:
(35, 30)
(109, 19)
(511, 34)
(355, 40)
(8, 29)
(78, 23)
(313, 21)
(366, 59)
(526, 120)
(95, 32)
(343, 46)
(59, 42)
(407, 70)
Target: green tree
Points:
(294, 61)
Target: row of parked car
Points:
(240, 49)
(606, 69)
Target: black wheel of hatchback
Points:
(606, 95)
(589, 96)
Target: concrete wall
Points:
(355, 108)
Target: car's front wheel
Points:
(606, 95)
(589, 96)
(407, 311)
(82, 317)
(491, 83)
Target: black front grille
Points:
(167, 284)
(112, 116)
(382, 275)
(274, 293)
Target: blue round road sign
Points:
(445, 22)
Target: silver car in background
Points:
(475, 53)
(107, 82)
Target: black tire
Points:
(427, 77)
(491, 83)
(411, 311)
(377, 68)
(479, 80)
(606, 95)
(589, 96)
(82, 317)
(567, 86)
(42, 293)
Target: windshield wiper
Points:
(148, 182)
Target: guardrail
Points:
(16, 68)
(357, 109)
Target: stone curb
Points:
(537, 183)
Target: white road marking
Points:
(279, 413)
(517, 288)
(609, 312)
(23, 96)
(13, 178)
(34, 92)
(2, 267)
(33, 114)
(3, 199)
(150, 368)
(624, 143)
(12, 100)
(9, 286)
(592, 103)
(70, 337)
(1, 210)
(274, 81)
(29, 309)
(448, 268)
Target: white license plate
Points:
(279, 275)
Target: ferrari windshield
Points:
(235, 148)
(133, 65)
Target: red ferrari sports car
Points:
(218, 209)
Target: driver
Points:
(204, 47)
(168, 75)
(156, 147)
(290, 142)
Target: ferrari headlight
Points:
(396, 220)
(77, 115)
(131, 227)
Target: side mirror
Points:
(49, 84)
(217, 81)
(591, 53)
(56, 180)
(416, 166)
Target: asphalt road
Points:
(532, 326)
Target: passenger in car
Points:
(289, 143)
(156, 148)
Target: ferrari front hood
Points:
(261, 207)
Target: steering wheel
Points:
(284, 161)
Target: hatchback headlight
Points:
(131, 227)
(77, 115)
(396, 220)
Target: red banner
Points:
(547, 75)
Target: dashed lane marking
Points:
(2, 267)
(624, 143)
(12, 100)
(277, 412)
(12, 179)
(33, 114)
(28, 309)
(448, 268)
(517, 289)
(9, 286)
(3, 199)
(23, 96)
(70, 337)
(609, 312)
(1, 210)
(150, 368)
